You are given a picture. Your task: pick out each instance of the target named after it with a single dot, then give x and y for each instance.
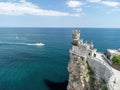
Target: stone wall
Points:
(100, 69)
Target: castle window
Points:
(94, 55)
(89, 54)
(82, 58)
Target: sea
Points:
(24, 65)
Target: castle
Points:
(83, 55)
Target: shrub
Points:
(116, 60)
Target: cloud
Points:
(22, 0)
(24, 7)
(74, 3)
(78, 9)
(94, 0)
(107, 3)
(111, 3)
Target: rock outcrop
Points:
(81, 77)
(78, 77)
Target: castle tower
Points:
(76, 37)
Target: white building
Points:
(112, 52)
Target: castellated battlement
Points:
(80, 48)
(83, 55)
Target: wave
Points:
(29, 44)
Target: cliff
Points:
(81, 77)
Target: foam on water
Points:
(36, 44)
(29, 44)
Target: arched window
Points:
(89, 54)
(94, 55)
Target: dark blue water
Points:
(29, 67)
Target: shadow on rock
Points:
(56, 85)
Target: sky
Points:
(60, 13)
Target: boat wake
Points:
(36, 44)
(29, 44)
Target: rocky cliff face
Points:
(81, 77)
(78, 77)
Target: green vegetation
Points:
(104, 85)
(75, 78)
(116, 60)
(90, 71)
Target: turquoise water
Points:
(29, 67)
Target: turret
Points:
(76, 37)
(91, 45)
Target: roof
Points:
(113, 51)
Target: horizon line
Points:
(57, 27)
